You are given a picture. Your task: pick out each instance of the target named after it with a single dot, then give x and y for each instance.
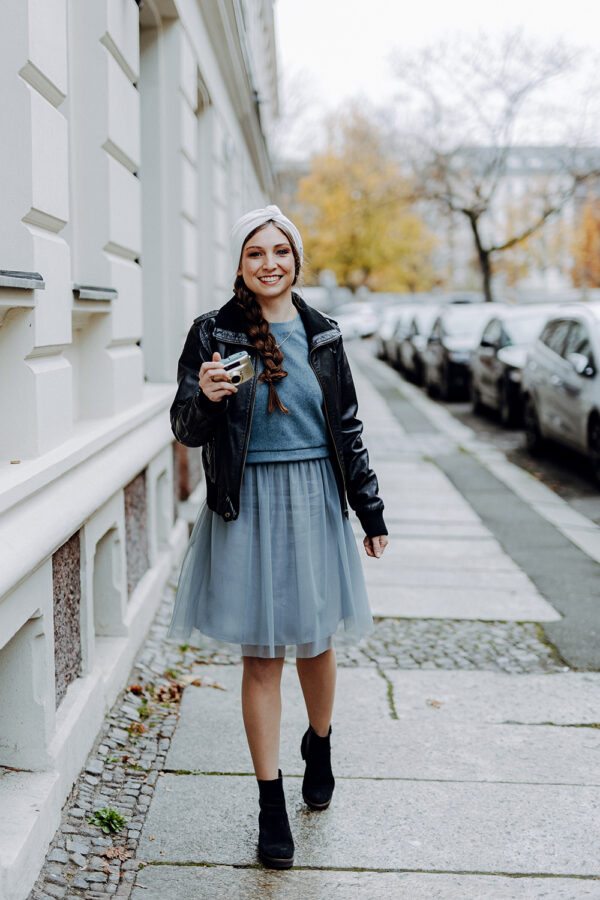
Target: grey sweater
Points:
(277, 437)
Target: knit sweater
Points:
(277, 437)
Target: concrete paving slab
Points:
(361, 695)
(425, 476)
(435, 826)
(425, 743)
(564, 698)
(424, 512)
(406, 574)
(226, 882)
(449, 553)
(431, 530)
(484, 604)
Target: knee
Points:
(262, 671)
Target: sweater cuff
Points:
(372, 522)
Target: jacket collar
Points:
(230, 324)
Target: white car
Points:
(561, 382)
(356, 320)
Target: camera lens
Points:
(235, 379)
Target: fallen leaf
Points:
(117, 853)
(436, 703)
(208, 682)
(137, 728)
(150, 837)
(136, 689)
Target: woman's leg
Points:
(261, 709)
(317, 679)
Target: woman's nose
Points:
(270, 261)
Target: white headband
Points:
(254, 219)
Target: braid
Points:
(264, 341)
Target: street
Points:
(465, 735)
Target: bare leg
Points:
(317, 679)
(261, 709)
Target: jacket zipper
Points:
(249, 429)
(318, 377)
(247, 441)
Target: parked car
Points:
(411, 347)
(561, 383)
(356, 320)
(497, 363)
(454, 336)
(385, 343)
(400, 331)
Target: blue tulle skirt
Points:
(286, 572)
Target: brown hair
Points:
(258, 328)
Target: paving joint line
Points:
(201, 864)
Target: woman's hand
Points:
(375, 545)
(214, 380)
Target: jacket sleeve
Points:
(193, 416)
(361, 482)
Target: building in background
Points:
(133, 136)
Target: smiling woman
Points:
(272, 560)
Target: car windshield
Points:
(525, 329)
(468, 323)
(424, 319)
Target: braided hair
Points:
(259, 331)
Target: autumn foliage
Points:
(356, 216)
(586, 247)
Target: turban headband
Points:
(254, 219)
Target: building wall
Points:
(132, 140)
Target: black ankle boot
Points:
(275, 842)
(318, 782)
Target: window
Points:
(555, 333)
(577, 341)
(491, 334)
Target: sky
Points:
(341, 48)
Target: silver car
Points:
(561, 382)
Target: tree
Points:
(355, 211)
(469, 108)
(586, 247)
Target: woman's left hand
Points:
(375, 545)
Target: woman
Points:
(272, 559)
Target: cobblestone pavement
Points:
(129, 755)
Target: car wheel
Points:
(430, 386)
(533, 436)
(505, 407)
(476, 399)
(446, 392)
(417, 371)
(594, 446)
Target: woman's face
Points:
(267, 264)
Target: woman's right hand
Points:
(214, 380)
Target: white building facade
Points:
(133, 136)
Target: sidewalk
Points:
(465, 749)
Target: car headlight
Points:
(515, 375)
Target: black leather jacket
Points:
(222, 428)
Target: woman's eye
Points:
(254, 253)
(284, 251)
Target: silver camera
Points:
(239, 367)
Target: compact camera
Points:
(238, 367)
